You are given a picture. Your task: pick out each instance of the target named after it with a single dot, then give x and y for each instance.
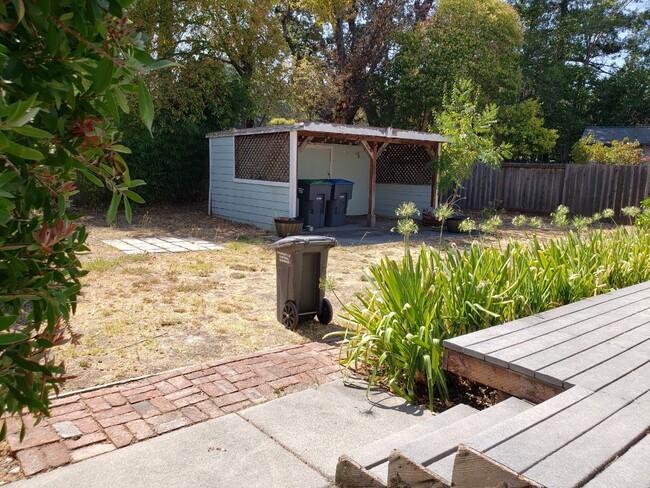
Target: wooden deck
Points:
(588, 366)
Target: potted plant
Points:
(288, 226)
(430, 218)
(454, 221)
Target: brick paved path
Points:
(89, 423)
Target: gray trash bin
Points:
(336, 208)
(301, 261)
(312, 196)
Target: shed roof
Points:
(611, 133)
(341, 131)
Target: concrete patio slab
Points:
(319, 424)
(293, 441)
(225, 452)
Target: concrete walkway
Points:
(293, 441)
(99, 420)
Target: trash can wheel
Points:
(326, 313)
(290, 315)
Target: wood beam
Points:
(359, 138)
(303, 144)
(433, 154)
(503, 379)
(382, 148)
(372, 184)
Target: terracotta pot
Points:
(286, 226)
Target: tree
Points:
(470, 131)
(440, 50)
(66, 67)
(522, 126)
(247, 36)
(569, 46)
(354, 44)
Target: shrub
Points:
(589, 150)
(66, 68)
(411, 306)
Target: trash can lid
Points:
(341, 182)
(305, 241)
(314, 182)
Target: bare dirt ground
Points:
(146, 313)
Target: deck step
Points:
(521, 453)
(428, 460)
(631, 470)
(355, 468)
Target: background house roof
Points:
(608, 134)
(340, 130)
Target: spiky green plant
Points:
(399, 322)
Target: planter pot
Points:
(429, 220)
(453, 223)
(285, 226)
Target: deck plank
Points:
(503, 432)
(519, 344)
(632, 386)
(630, 470)
(606, 372)
(534, 362)
(470, 341)
(559, 372)
(565, 426)
(577, 462)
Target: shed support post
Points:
(373, 153)
(293, 173)
(433, 154)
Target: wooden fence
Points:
(540, 188)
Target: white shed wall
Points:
(389, 197)
(252, 203)
(348, 163)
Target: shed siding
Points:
(349, 163)
(251, 203)
(389, 197)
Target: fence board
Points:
(540, 188)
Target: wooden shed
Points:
(254, 172)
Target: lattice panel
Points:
(262, 157)
(404, 165)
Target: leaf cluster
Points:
(411, 306)
(66, 68)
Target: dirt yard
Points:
(146, 313)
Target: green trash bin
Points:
(301, 262)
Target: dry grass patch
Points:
(145, 313)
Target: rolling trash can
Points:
(312, 196)
(336, 208)
(301, 261)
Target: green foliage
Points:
(67, 68)
(438, 51)
(589, 150)
(643, 218)
(561, 216)
(406, 226)
(470, 131)
(572, 64)
(522, 126)
(411, 306)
